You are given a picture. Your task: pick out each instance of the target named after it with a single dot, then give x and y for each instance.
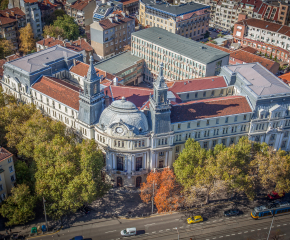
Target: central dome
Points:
(127, 112)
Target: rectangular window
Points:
(245, 117)
(196, 94)
(188, 125)
(198, 124)
(226, 120)
(217, 121)
(11, 169)
(177, 149)
(9, 160)
(207, 122)
(178, 126)
(236, 118)
(12, 178)
(1, 187)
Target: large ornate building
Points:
(140, 129)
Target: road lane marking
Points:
(214, 221)
(149, 224)
(177, 219)
(258, 229)
(147, 233)
(161, 231)
(245, 231)
(278, 225)
(221, 236)
(154, 232)
(252, 230)
(233, 234)
(239, 233)
(228, 235)
(265, 228)
(285, 224)
(111, 231)
(169, 229)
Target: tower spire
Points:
(91, 75)
(160, 79)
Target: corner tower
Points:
(159, 105)
(91, 99)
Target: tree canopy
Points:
(6, 48)
(18, 207)
(68, 25)
(27, 41)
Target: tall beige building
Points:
(189, 20)
(7, 173)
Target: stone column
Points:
(144, 161)
(262, 138)
(228, 142)
(166, 159)
(209, 144)
(219, 141)
(267, 138)
(287, 146)
(278, 141)
(133, 162)
(114, 161)
(126, 163)
(170, 158)
(129, 163)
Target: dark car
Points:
(231, 212)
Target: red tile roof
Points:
(136, 95)
(59, 90)
(250, 49)
(106, 23)
(80, 4)
(30, 1)
(269, 26)
(4, 154)
(251, 58)
(219, 47)
(198, 84)
(50, 42)
(208, 108)
(10, 15)
(77, 45)
(126, 2)
(285, 77)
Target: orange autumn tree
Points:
(166, 190)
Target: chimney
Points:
(116, 19)
(71, 42)
(47, 36)
(53, 38)
(79, 38)
(110, 19)
(115, 81)
(74, 61)
(12, 13)
(58, 37)
(7, 14)
(107, 99)
(61, 39)
(85, 39)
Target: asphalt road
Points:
(164, 227)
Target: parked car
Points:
(274, 195)
(128, 232)
(195, 219)
(231, 212)
(77, 238)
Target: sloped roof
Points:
(250, 58)
(39, 60)
(219, 47)
(209, 108)
(198, 84)
(249, 49)
(181, 45)
(80, 4)
(59, 90)
(109, 23)
(261, 81)
(4, 154)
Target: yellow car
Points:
(194, 219)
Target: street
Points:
(164, 227)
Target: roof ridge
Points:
(50, 78)
(208, 100)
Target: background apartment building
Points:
(109, 36)
(105, 8)
(270, 38)
(82, 11)
(32, 14)
(7, 173)
(183, 58)
(189, 20)
(10, 22)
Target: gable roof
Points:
(111, 22)
(269, 26)
(4, 154)
(209, 108)
(250, 58)
(285, 78)
(249, 49)
(59, 90)
(198, 84)
(80, 4)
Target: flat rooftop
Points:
(261, 81)
(174, 10)
(181, 45)
(39, 60)
(118, 63)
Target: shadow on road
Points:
(140, 232)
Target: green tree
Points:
(206, 35)
(48, 19)
(18, 207)
(53, 31)
(6, 48)
(68, 175)
(27, 41)
(273, 169)
(271, 56)
(25, 173)
(70, 28)
(4, 4)
(210, 38)
(12, 117)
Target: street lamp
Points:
(177, 232)
(271, 225)
(153, 198)
(45, 213)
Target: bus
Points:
(272, 209)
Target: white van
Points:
(128, 232)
